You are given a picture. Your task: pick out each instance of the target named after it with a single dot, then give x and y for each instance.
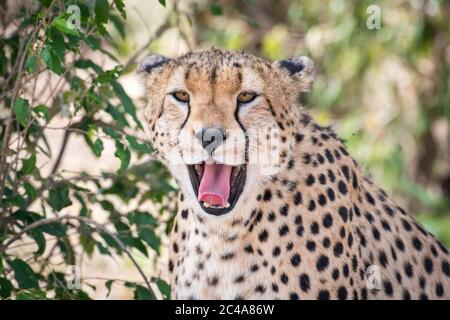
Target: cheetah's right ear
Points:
(299, 69)
(151, 62)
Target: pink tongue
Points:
(215, 185)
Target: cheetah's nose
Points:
(210, 138)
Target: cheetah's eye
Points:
(181, 96)
(246, 97)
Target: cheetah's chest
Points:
(214, 269)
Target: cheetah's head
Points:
(217, 118)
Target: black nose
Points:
(211, 138)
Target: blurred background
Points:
(383, 83)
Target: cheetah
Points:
(307, 225)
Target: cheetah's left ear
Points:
(151, 62)
(300, 69)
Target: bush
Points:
(46, 41)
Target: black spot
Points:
(406, 295)
(310, 245)
(322, 179)
(260, 288)
(184, 213)
(417, 243)
(284, 278)
(428, 265)
(293, 296)
(284, 230)
(335, 274)
(446, 268)
(271, 216)
(338, 249)
(322, 200)
(254, 268)
(248, 248)
(376, 233)
(406, 225)
(298, 219)
(346, 172)
(326, 242)
(312, 205)
(322, 263)
(342, 293)
(276, 251)
(323, 295)
(263, 235)
(310, 180)
(439, 289)
(327, 220)
(342, 187)
(343, 212)
(370, 199)
(274, 287)
(299, 137)
(400, 245)
(297, 198)
(388, 288)
(314, 228)
(284, 210)
(304, 282)
(408, 269)
(170, 265)
(295, 260)
(300, 230)
(330, 194)
(267, 195)
(329, 156)
(383, 259)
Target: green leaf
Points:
(60, 23)
(30, 191)
(55, 229)
(162, 2)
(101, 11)
(141, 219)
(123, 153)
(51, 59)
(6, 288)
(35, 294)
(59, 197)
(39, 238)
(21, 109)
(149, 236)
(127, 103)
(31, 64)
(135, 145)
(140, 292)
(215, 9)
(28, 165)
(164, 288)
(1, 265)
(108, 285)
(121, 7)
(24, 275)
(43, 110)
(46, 2)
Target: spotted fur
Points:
(308, 231)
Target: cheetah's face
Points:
(212, 121)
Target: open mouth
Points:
(217, 186)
